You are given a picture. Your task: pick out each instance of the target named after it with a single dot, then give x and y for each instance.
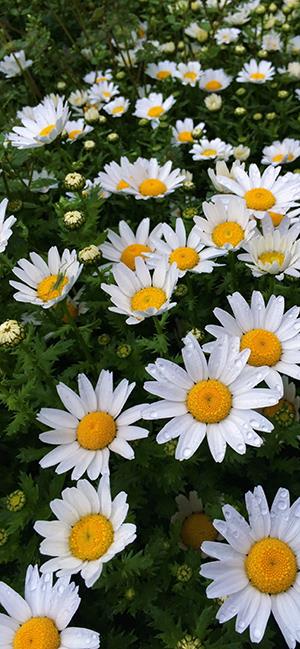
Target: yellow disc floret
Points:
(190, 75)
(213, 85)
(228, 232)
(152, 187)
(122, 184)
(51, 287)
(185, 136)
(96, 430)
(148, 298)
(257, 76)
(163, 74)
(209, 152)
(209, 401)
(197, 528)
(37, 633)
(276, 218)
(47, 130)
(73, 134)
(117, 109)
(271, 566)
(259, 198)
(155, 111)
(264, 345)
(131, 252)
(272, 256)
(278, 157)
(185, 257)
(91, 537)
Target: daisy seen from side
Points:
(275, 252)
(254, 72)
(214, 80)
(211, 149)
(161, 70)
(281, 152)
(76, 129)
(183, 131)
(13, 64)
(5, 225)
(117, 107)
(46, 121)
(196, 526)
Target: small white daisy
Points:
(196, 526)
(183, 131)
(153, 107)
(227, 224)
(272, 42)
(161, 70)
(279, 153)
(195, 31)
(286, 411)
(221, 169)
(76, 129)
(276, 252)
(254, 72)
(189, 73)
(41, 181)
(128, 245)
(45, 284)
(97, 76)
(78, 98)
(13, 64)
(102, 92)
(112, 179)
(146, 179)
(46, 122)
(5, 225)
(227, 35)
(211, 149)
(140, 295)
(89, 532)
(117, 107)
(214, 399)
(214, 80)
(294, 45)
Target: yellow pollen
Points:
(152, 187)
(278, 157)
(106, 93)
(131, 252)
(197, 528)
(141, 32)
(37, 633)
(271, 256)
(47, 130)
(96, 430)
(117, 109)
(155, 111)
(213, 85)
(276, 218)
(190, 75)
(73, 134)
(163, 74)
(91, 537)
(257, 76)
(184, 257)
(228, 232)
(122, 184)
(280, 407)
(185, 136)
(264, 345)
(271, 566)
(290, 157)
(209, 401)
(51, 287)
(148, 298)
(100, 79)
(259, 198)
(209, 152)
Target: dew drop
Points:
(282, 505)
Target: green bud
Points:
(240, 110)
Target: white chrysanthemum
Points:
(41, 619)
(271, 335)
(89, 532)
(226, 224)
(183, 131)
(195, 31)
(93, 426)
(98, 76)
(214, 80)
(46, 122)
(102, 92)
(76, 129)
(263, 192)
(211, 149)
(227, 35)
(256, 72)
(78, 98)
(286, 411)
(257, 571)
(187, 252)
(148, 180)
(196, 526)
(279, 153)
(214, 399)
(112, 179)
(139, 294)
(5, 225)
(153, 107)
(13, 64)
(294, 45)
(222, 169)
(272, 42)
(41, 181)
(276, 251)
(161, 70)
(128, 245)
(117, 107)
(45, 284)
(189, 73)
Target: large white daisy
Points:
(88, 533)
(5, 225)
(254, 72)
(228, 223)
(275, 252)
(46, 121)
(143, 179)
(281, 152)
(93, 425)
(41, 619)
(183, 131)
(128, 245)
(257, 571)
(214, 399)
(221, 169)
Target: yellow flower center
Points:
(148, 298)
(184, 257)
(100, 79)
(228, 232)
(290, 157)
(106, 93)
(73, 134)
(213, 85)
(185, 136)
(265, 347)
(197, 528)
(190, 75)
(259, 198)
(284, 408)
(276, 218)
(155, 111)
(209, 401)
(96, 430)
(152, 187)
(91, 537)
(117, 109)
(37, 633)
(51, 287)
(47, 130)
(131, 252)
(209, 152)
(271, 256)
(163, 74)
(257, 76)
(278, 157)
(271, 566)
(122, 184)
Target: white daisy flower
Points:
(102, 92)
(294, 45)
(128, 245)
(112, 179)
(78, 98)
(41, 619)
(153, 107)
(256, 72)
(189, 73)
(214, 80)
(76, 129)
(211, 149)
(281, 152)
(272, 42)
(271, 335)
(97, 76)
(41, 181)
(146, 179)
(239, 17)
(117, 107)
(196, 526)
(93, 426)
(140, 295)
(195, 31)
(5, 225)
(187, 252)
(45, 284)
(286, 411)
(47, 121)
(276, 252)
(222, 169)
(89, 532)
(258, 570)
(161, 70)
(183, 131)
(216, 399)
(227, 224)
(13, 64)
(227, 35)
